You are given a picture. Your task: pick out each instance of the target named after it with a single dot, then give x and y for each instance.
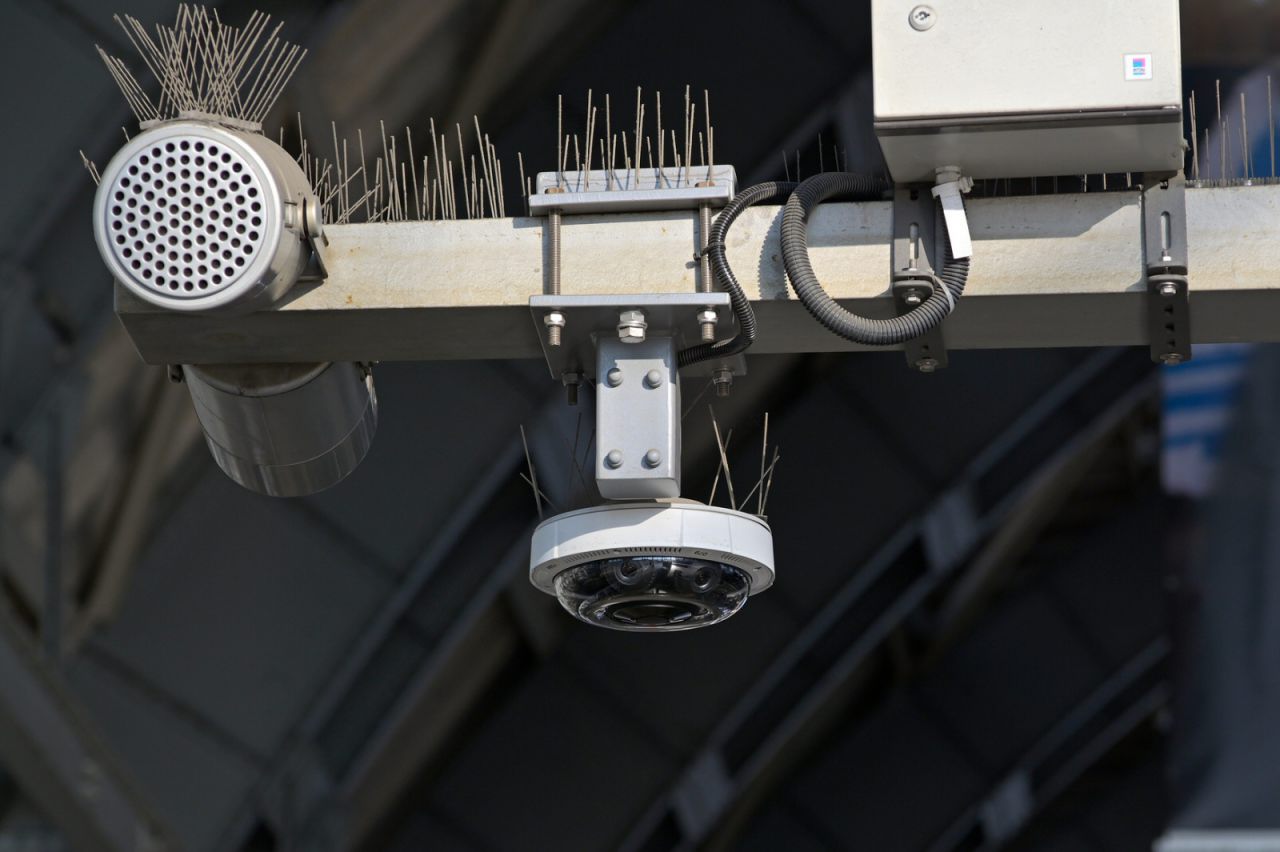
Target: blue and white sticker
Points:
(1137, 66)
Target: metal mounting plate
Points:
(1164, 226)
(586, 317)
(621, 191)
(913, 248)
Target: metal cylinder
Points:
(196, 216)
(285, 430)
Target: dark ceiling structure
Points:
(967, 646)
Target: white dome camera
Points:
(652, 566)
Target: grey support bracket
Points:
(637, 417)
(1164, 223)
(914, 247)
(627, 347)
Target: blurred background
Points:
(1027, 603)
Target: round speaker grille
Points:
(185, 216)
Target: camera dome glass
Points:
(649, 593)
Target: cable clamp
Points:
(950, 190)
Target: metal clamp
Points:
(1164, 225)
(317, 240)
(913, 248)
(560, 194)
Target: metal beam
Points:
(1050, 270)
(59, 762)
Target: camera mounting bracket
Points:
(637, 415)
(1164, 226)
(627, 346)
(913, 248)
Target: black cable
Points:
(859, 329)
(761, 193)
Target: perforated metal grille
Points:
(185, 216)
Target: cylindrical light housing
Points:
(285, 430)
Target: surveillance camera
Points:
(652, 566)
(198, 216)
(285, 430)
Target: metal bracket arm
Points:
(637, 418)
(1164, 223)
(914, 246)
(313, 233)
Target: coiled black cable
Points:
(859, 329)
(761, 193)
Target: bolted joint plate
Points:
(637, 419)
(588, 319)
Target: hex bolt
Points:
(723, 381)
(927, 365)
(653, 458)
(571, 381)
(912, 299)
(1169, 290)
(653, 379)
(553, 248)
(707, 319)
(1172, 359)
(613, 459)
(922, 18)
(631, 326)
(554, 322)
(613, 377)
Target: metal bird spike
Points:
(205, 67)
(768, 465)
(575, 486)
(400, 185)
(617, 155)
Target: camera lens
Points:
(650, 593)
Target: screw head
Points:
(613, 377)
(653, 458)
(653, 379)
(1169, 290)
(927, 365)
(912, 299)
(1172, 359)
(922, 18)
(613, 459)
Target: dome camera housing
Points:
(652, 566)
